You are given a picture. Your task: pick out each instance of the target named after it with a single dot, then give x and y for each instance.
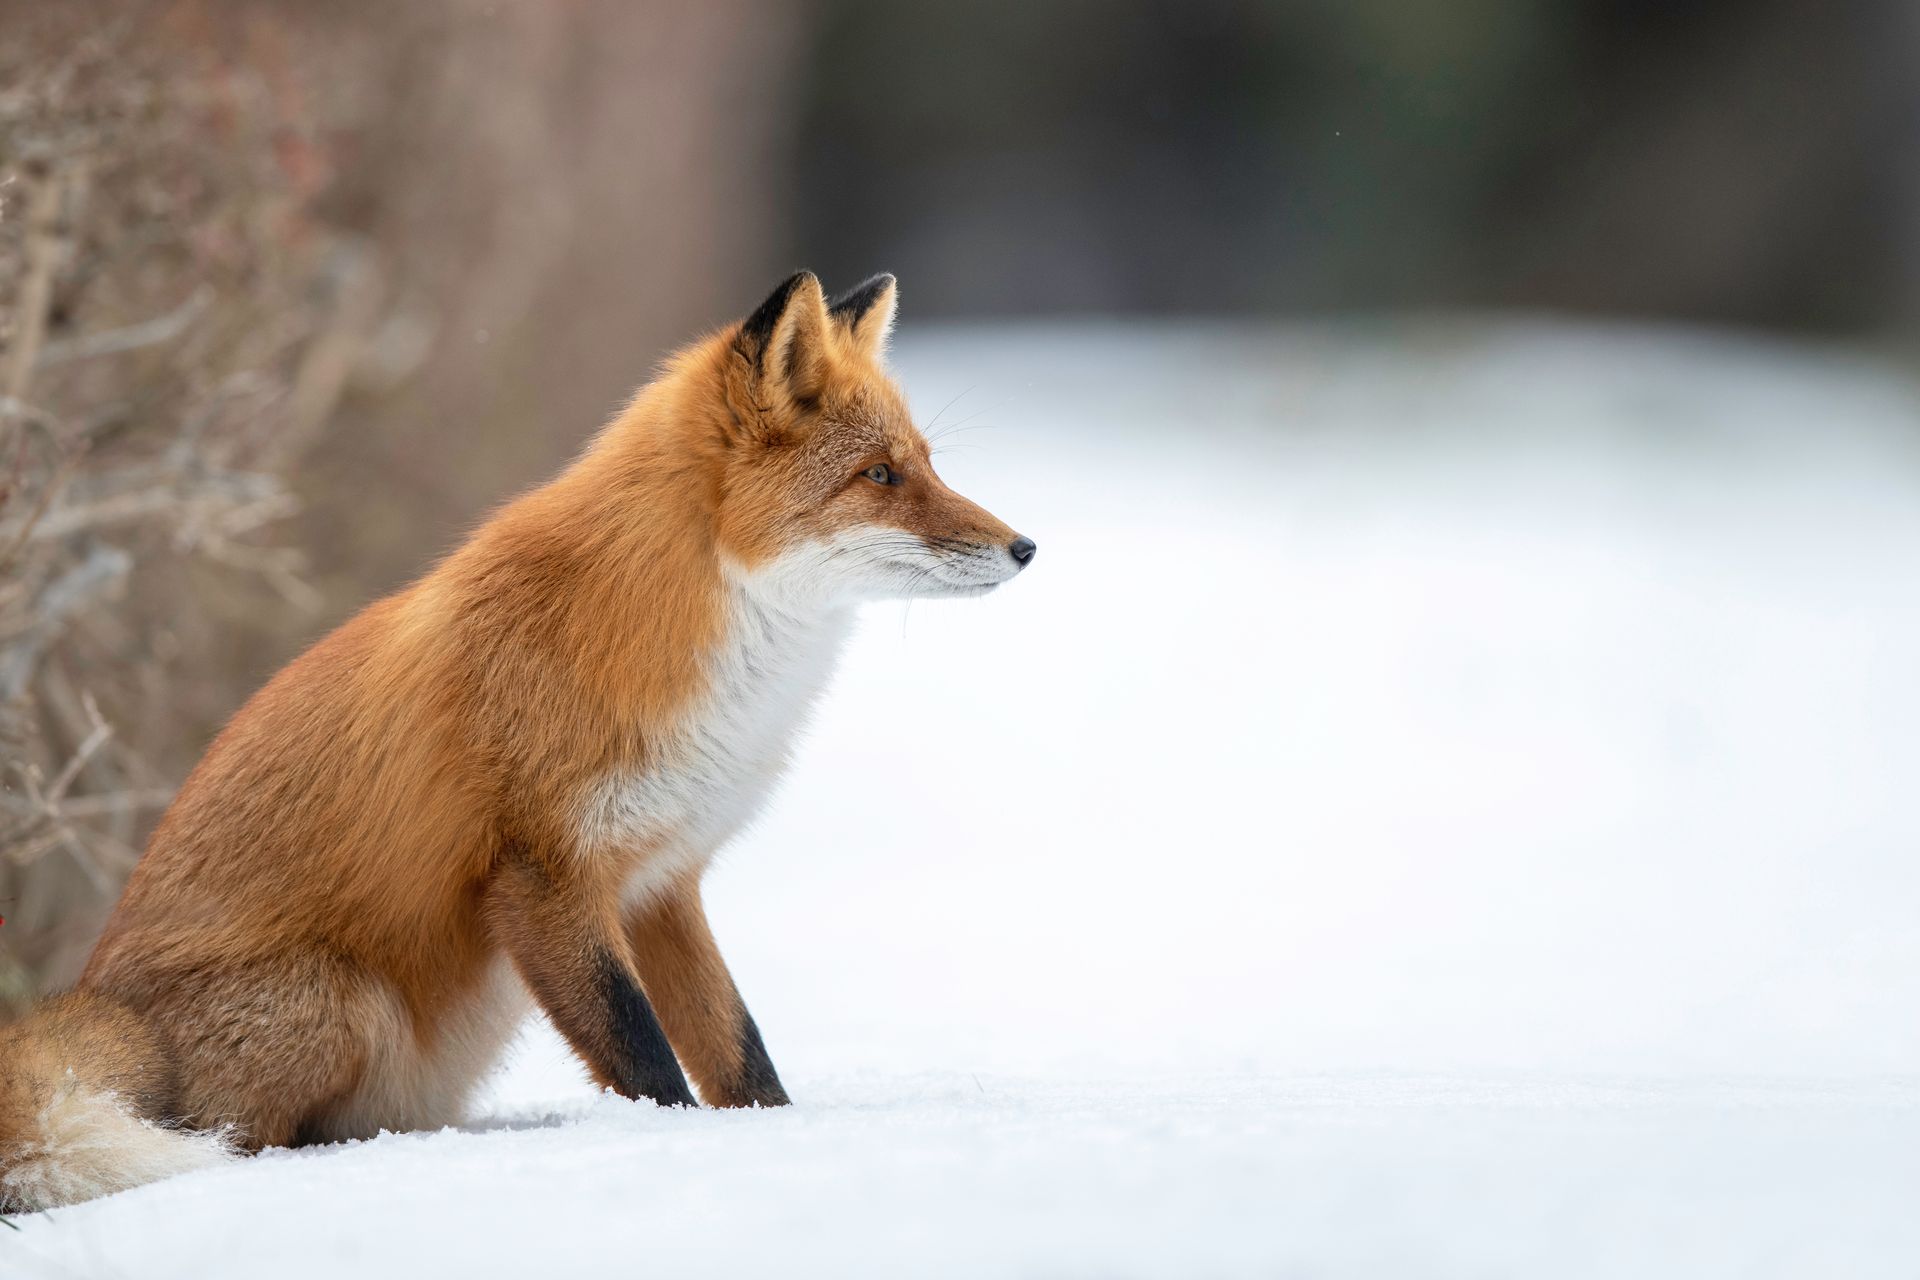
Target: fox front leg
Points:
(579, 970)
(704, 1016)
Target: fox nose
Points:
(1022, 550)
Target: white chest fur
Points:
(710, 775)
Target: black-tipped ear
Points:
(866, 312)
(782, 345)
(758, 327)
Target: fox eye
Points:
(880, 473)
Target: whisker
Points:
(963, 426)
(948, 405)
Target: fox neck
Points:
(707, 769)
(661, 617)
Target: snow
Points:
(1440, 804)
(937, 1174)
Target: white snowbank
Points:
(1218, 1175)
(1441, 803)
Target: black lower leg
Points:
(639, 1059)
(759, 1082)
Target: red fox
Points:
(501, 786)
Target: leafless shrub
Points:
(172, 329)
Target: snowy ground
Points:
(1441, 804)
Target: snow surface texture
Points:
(1442, 803)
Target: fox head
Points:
(828, 488)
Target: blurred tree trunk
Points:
(560, 193)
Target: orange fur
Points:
(315, 943)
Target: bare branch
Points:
(42, 254)
(148, 333)
(96, 739)
(79, 586)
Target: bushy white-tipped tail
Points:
(88, 1143)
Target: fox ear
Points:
(784, 343)
(865, 313)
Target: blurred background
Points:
(1532, 374)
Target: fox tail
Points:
(84, 1083)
